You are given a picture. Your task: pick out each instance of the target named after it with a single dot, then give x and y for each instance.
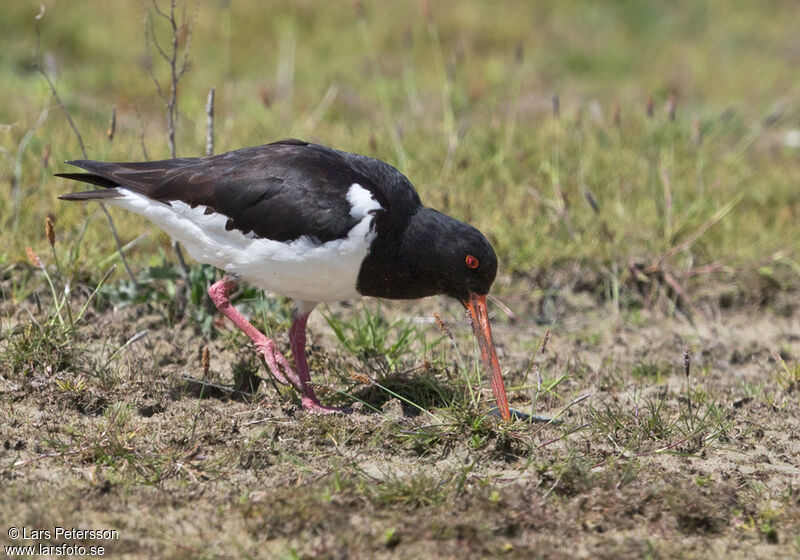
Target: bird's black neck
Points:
(403, 265)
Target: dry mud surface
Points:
(626, 475)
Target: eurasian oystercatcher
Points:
(310, 223)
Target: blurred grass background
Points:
(459, 96)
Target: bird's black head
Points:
(468, 264)
(436, 254)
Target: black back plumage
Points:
(278, 191)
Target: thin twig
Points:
(16, 464)
(503, 307)
(78, 135)
(118, 243)
(562, 436)
(715, 218)
(687, 369)
(539, 380)
(181, 261)
(176, 73)
(664, 449)
(210, 122)
(112, 125)
(135, 338)
(141, 135)
(554, 419)
(225, 389)
(176, 69)
(319, 112)
(680, 291)
(666, 184)
(16, 186)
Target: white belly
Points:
(301, 269)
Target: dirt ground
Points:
(645, 467)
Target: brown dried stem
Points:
(78, 135)
(210, 122)
(112, 125)
(177, 70)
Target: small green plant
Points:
(699, 413)
(160, 288)
(413, 491)
(155, 286)
(650, 371)
(72, 385)
(768, 526)
(630, 428)
(46, 342)
(382, 346)
(788, 375)
(391, 537)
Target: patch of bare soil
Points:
(652, 464)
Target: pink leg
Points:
(297, 340)
(278, 365)
(220, 292)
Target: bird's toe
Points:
(313, 406)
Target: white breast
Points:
(301, 269)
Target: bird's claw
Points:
(283, 372)
(277, 362)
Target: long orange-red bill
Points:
(476, 305)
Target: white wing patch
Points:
(361, 202)
(301, 269)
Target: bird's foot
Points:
(283, 372)
(313, 406)
(278, 365)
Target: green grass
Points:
(476, 133)
(628, 241)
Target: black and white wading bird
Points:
(312, 224)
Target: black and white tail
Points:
(109, 189)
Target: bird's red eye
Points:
(471, 261)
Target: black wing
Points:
(279, 191)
